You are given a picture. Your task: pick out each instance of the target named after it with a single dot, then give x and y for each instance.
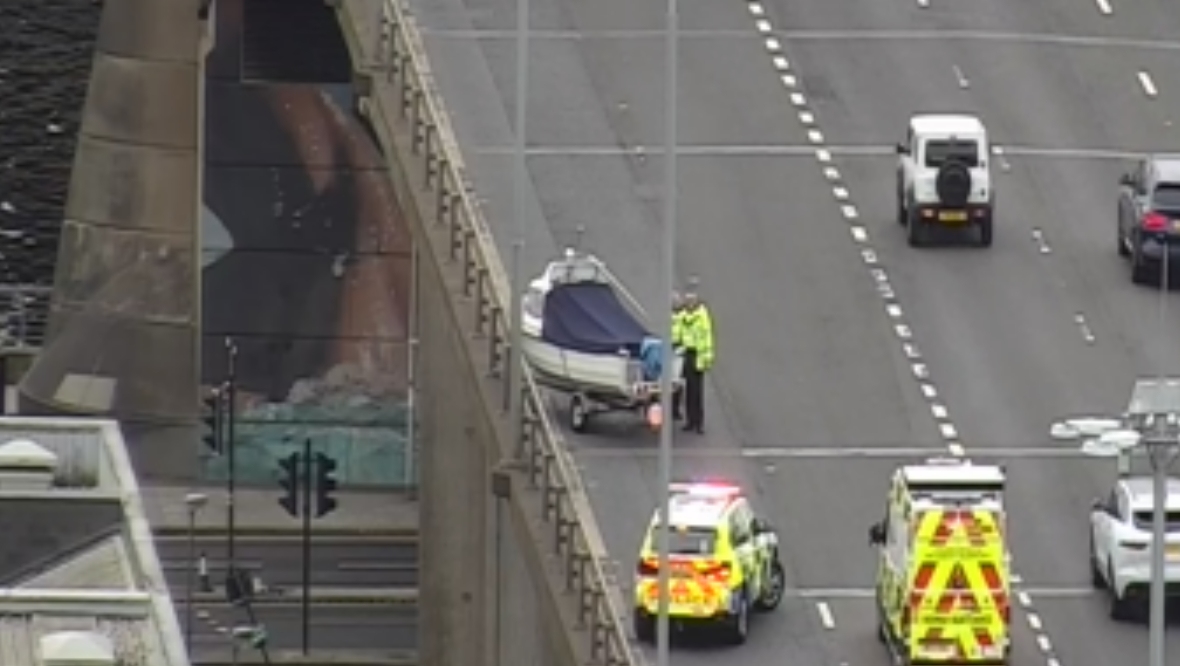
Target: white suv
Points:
(944, 177)
(1120, 543)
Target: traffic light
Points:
(325, 485)
(211, 420)
(289, 481)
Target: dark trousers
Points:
(694, 388)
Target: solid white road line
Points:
(1147, 84)
(825, 615)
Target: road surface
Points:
(842, 351)
(355, 561)
(360, 628)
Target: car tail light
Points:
(647, 568)
(716, 572)
(1133, 545)
(1155, 222)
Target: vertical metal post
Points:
(671, 100)
(307, 491)
(188, 582)
(1159, 453)
(513, 361)
(497, 616)
(408, 473)
(231, 397)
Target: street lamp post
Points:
(513, 369)
(195, 502)
(1161, 452)
(671, 99)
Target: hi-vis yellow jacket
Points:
(694, 329)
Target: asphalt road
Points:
(346, 628)
(357, 562)
(816, 398)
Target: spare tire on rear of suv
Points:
(953, 184)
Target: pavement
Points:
(257, 511)
(843, 352)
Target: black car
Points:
(1149, 217)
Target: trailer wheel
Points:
(579, 414)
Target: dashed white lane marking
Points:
(756, 9)
(825, 615)
(923, 3)
(961, 78)
(946, 426)
(1104, 7)
(1147, 84)
(1039, 238)
(763, 26)
(789, 80)
(1084, 327)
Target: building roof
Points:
(79, 573)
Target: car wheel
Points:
(772, 593)
(579, 415)
(1140, 273)
(645, 627)
(1124, 250)
(985, 231)
(1096, 577)
(739, 624)
(915, 233)
(901, 214)
(1119, 608)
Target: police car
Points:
(724, 563)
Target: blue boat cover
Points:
(588, 317)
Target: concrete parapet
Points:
(467, 436)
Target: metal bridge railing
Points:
(438, 167)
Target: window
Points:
(1166, 198)
(1143, 520)
(940, 151)
(692, 541)
(739, 526)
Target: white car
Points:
(944, 177)
(1120, 543)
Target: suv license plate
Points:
(953, 216)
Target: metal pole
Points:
(1158, 452)
(231, 450)
(307, 483)
(408, 473)
(513, 367)
(671, 99)
(188, 583)
(497, 619)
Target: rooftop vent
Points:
(26, 465)
(76, 648)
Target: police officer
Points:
(677, 344)
(696, 338)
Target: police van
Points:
(943, 579)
